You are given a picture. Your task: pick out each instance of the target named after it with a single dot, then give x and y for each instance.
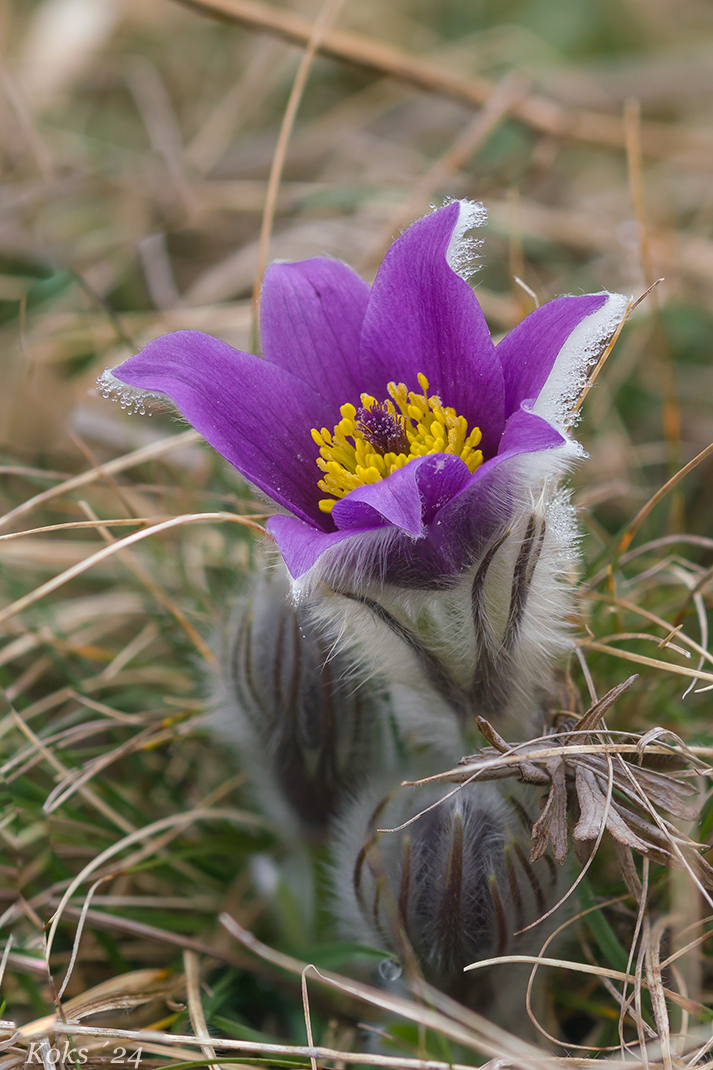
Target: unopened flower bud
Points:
(307, 724)
(455, 885)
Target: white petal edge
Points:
(462, 251)
(579, 353)
(131, 398)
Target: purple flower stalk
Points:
(416, 462)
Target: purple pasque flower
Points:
(327, 339)
(408, 451)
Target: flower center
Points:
(371, 442)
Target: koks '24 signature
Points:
(40, 1053)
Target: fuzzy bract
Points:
(416, 463)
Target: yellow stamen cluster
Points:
(349, 460)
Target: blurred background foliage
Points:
(137, 139)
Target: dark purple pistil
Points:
(385, 432)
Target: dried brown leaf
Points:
(594, 714)
(592, 804)
(552, 822)
(665, 791)
(494, 738)
(627, 866)
(531, 774)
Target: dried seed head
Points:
(308, 725)
(456, 884)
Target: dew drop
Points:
(390, 969)
(131, 401)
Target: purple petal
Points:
(302, 544)
(525, 432)
(254, 413)
(456, 512)
(423, 317)
(529, 352)
(471, 517)
(310, 323)
(407, 499)
(400, 505)
(467, 524)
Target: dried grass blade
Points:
(78, 937)
(641, 659)
(115, 923)
(87, 792)
(482, 1036)
(155, 589)
(696, 1009)
(195, 1007)
(116, 547)
(169, 1041)
(307, 1015)
(76, 524)
(170, 822)
(327, 14)
(656, 990)
(633, 526)
(632, 607)
(117, 993)
(129, 460)
(76, 778)
(541, 113)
